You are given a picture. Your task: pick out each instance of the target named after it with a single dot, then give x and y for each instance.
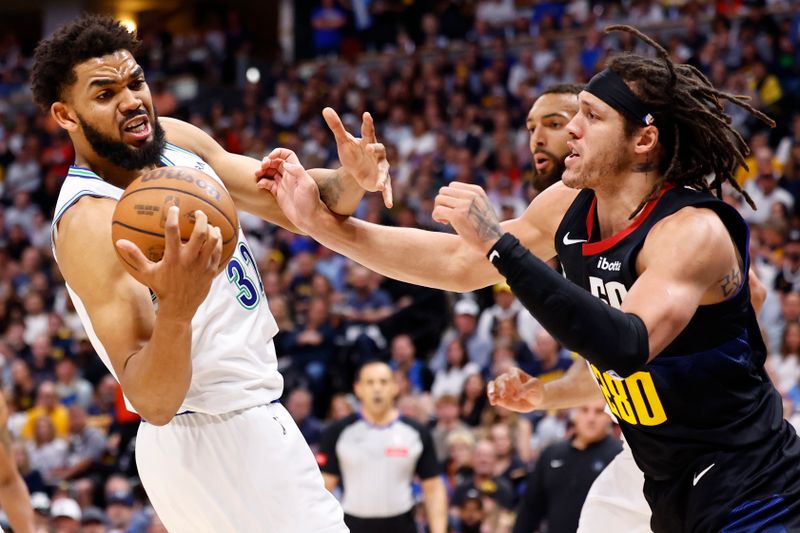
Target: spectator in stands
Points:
(465, 321)
(70, 387)
(403, 360)
(93, 520)
(550, 362)
(764, 190)
(47, 406)
(497, 493)
(447, 422)
(47, 452)
(66, 515)
(560, 481)
(365, 306)
(86, 446)
(507, 307)
(473, 400)
(508, 465)
(299, 406)
(311, 345)
(450, 380)
(328, 20)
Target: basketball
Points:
(141, 212)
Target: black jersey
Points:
(707, 391)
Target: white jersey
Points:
(234, 365)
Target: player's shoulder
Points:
(89, 217)
(188, 137)
(690, 225)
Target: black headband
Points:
(609, 87)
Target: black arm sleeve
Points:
(610, 339)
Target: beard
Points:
(123, 155)
(544, 179)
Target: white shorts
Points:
(248, 471)
(616, 500)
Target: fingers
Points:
(172, 234)
(132, 255)
(216, 255)
(461, 186)
(278, 156)
(368, 128)
(442, 214)
(335, 124)
(211, 246)
(199, 236)
(456, 189)
(388, 201)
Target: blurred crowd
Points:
(449, 84)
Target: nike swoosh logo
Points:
(697, 477)
(556, 463)
(568, 241)
(494, 255)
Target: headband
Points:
(609, 87)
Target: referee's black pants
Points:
(403, 523)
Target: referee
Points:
(377, 453)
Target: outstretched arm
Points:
(658, 306)
(428, 258)
(365, 168)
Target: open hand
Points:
(364, 158)
(182, 278)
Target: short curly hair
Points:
(55, 57)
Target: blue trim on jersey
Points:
(166, 160)
(758, 515)
(72, 201)
(179, 149)
(92, 175)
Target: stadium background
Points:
(449, 83)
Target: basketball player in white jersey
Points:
(215, 451)
(615, 501)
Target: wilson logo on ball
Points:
(175, 173)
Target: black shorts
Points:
(743, 491)
(403, 523)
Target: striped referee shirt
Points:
(377, 464)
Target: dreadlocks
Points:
(697, 138)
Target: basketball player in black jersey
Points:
(656, 299)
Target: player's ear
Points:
(646, 140)
(64, 116)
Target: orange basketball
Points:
(141, 212)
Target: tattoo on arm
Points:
(731, 282)
(331, 189)
(484, 219)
